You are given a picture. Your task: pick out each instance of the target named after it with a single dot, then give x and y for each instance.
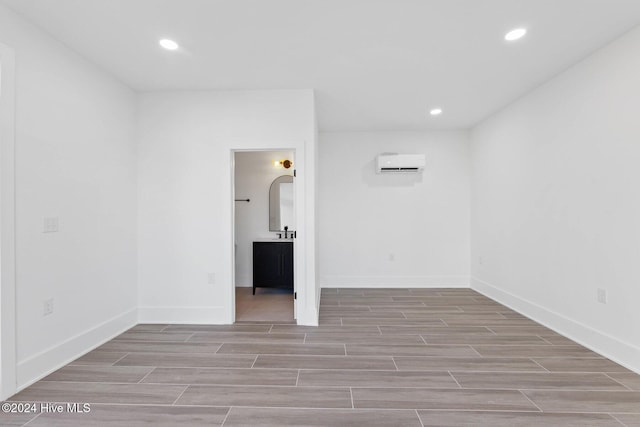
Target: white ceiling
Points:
(375, 64)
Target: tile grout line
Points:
(147, 374)
(114, 363)
(619, 382)
(351, 394)
(180, 395)
(226, 416)
(529, 399)
(454, 378)
(419, 419)
(394, 363)
(190, 336)
(544, 339)
(616, 418)
(254, 361)
(536, 362)
(297, 377)
(31, 420)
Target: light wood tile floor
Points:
(267, 305)
(380, 357)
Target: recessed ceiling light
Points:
(515, 34)
(435, 111)
(169, 44)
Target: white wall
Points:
(556, 203)
(254, 173)
(185, 198)
(75, 160)
(393, 230)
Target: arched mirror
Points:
(281, 204)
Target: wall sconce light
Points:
(283, 164)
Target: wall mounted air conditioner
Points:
(395, 163)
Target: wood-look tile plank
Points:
(479, 364)
(245, 337)
(50, 391)
(422, 398)
(153, 336)
(99, 357)
(585, 401)
(628, 420)
(266, 396)
(535, 351)
(531, 329)
(357, 321)
(629, 379)
(371, 339)
(188, 360)
(359, 378)
(331, 329)
(436, 300)
(513, 419)
(219, 328)
(158, 347)
(423, 310)
(411, 350)
(337, 308)
(324, 362)
(435, 330)
(266, 348)
(104, 374)
(573, 364)
(484, 339)
(225, 376)
(363, 314)
(538, 380)
(136, 416)
(148, 327)
(15, 419)
(287, 417)
(493, 321)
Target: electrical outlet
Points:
(50, 225)
(602, 296)
(211, 278)
(48, 307)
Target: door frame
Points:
(298, 251)
(8, 364)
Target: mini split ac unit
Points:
(394, 163)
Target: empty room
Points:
(410, 213)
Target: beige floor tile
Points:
(549, 381)
(513, 419)
(226, 376)
(304, 397)
(585, 401)
(136, 416)
(421, 398)
(285, 417)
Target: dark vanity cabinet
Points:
(272, 265)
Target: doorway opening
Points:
(264, 236)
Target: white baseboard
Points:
(42, 364)
(394, 282)
(610, 347)
(215, 315)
